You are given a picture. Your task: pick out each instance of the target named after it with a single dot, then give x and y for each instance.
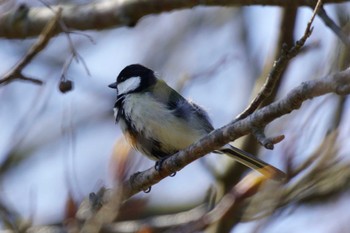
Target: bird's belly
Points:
(154, 121)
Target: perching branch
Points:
(27, 22)
(338, 83)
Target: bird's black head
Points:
(134, 78)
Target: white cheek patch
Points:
(128, 85)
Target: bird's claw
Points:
(148, 189)
(159, 164)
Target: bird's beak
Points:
(113, 85)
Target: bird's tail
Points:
(252, 162)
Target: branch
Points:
(27, 22)
(338, 83)
(322, 176)
(158, 223)
(47, 33)
(334, 27)
(279, 67)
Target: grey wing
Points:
(191, 113)
(202, 116)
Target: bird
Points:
(158, 121)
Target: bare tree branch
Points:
(285, 42)
(322, 176)
(27, 22)
(334, 27)
(16, 72)
(158, 223)
(279, 67)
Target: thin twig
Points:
(267, 142)
(278, 67)
(16, 73)
(65, 67)
(75, 54)
(333, 26)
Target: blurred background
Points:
(55, 147)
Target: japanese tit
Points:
(158, 121)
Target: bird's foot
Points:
(148, 190)
(159, 164)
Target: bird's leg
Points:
(159, 164)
